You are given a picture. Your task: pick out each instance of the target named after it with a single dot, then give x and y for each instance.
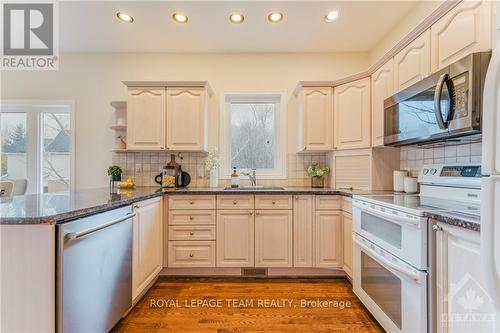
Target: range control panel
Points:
(467, 175)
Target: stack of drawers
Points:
(191, 231)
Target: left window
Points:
(37, 144)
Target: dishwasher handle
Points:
(75, 235)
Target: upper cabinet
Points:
(382, 88)
(413, 63)
(146, 118)
(352, 115)
(167, 115)
(315, 119)
(463, 30)
(186, 119)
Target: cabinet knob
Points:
(250, 213)
(191, 218)
(191, 233)
(257, 214)
(273, 202)
(435, 227)
(191, 255)
(168, 148)
(191, 202)
(235, 202)
(162, 147)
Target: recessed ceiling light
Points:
(236, 18)
(124, 17)
(179, 17)
(331, 16)
(275, 17)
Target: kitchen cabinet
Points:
(235, 238)
(303, 232)
(382, 84)
(352, 115)
(328, 239)
(315, 119)
(147, 244)
(191, 254)
(364, 169)
(413, 63)
(187, 119)
(273, 238)
(463, 30)
(347, 242)
(460, 284)
(146, 111)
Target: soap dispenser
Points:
(235, 179)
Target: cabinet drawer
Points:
(182, 233)
(347, 204)
(191, 202)
(191, 254)
(235, 202)
(191, 217)
(273, 201)
(328, 202)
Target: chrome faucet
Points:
(251, 176)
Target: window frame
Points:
(34, 110)
(279, 171)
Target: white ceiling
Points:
(91, 26)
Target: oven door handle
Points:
(406, 272)
(389, 217)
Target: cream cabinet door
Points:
(303, 233)
(347, 237)
(186, 119)
(146, 118)
(413, 63)
(235, 238)
(328, 239)
(460, 283)
(382, 87)
(273, 238)
(463, 30)
(147, 246)
(315, 119)
(352, 115)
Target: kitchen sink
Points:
(254, 188)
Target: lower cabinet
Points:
(147, 244)
(347, 244)
(191, 254)
(235, 238)
(460, 283)
(303, 231)
(273, 238)
(328, 239)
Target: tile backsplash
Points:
(413, 158)
(193, 163)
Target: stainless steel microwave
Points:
(446, 104)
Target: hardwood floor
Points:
(260, 305)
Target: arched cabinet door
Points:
(382, 87)
(413, 63)
(186, 119)
(464, 30)
(352, 115)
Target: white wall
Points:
(94, 80)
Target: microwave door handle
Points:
(437, 101)
(407, 273)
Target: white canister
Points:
(411, 185)
(398, 177)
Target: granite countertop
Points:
(63, 206)
(60, 207)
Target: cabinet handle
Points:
(273, 202)
(136, 206)
(257, 213)
(162, 147)
(168, 148)
(191, 218)
(191, 233)
(235, 202)
(191, 255)
(435, 227)
(250, 213)
(191, 202)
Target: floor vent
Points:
(254, 272)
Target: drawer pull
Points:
(191, 202)
(235, 202)
(191, 218)
(191, 233)
(191, 255)
(250, 213)
(258, 214)
(273, 202)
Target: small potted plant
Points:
(317, 173)
(115, 175)
(212, 164)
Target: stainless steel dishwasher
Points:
(94, 271)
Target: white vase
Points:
(214, 178)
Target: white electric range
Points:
(393, 258)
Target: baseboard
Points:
(271, 272)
